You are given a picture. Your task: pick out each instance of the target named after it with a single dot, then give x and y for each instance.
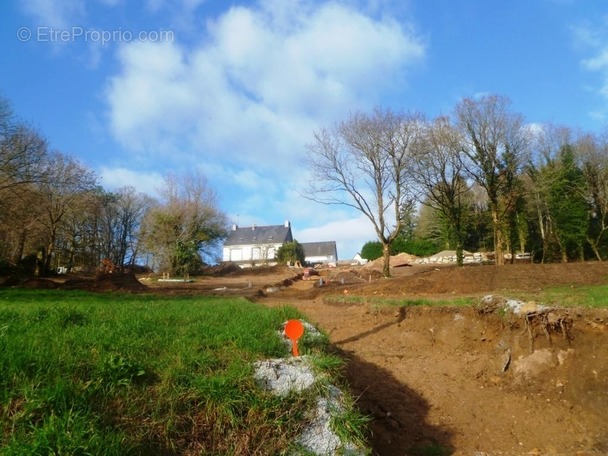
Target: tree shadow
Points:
(374, 330)
(398, 413)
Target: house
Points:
(320, 252)
(358, 259)
(255, 244)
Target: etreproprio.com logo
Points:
(75, 34)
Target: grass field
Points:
(113, 374)
(586, 296)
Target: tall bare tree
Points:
(22, 154)
(65, 183)
(440, 172)
(364, 162)
(494, 147)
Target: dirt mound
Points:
(354, 276)
(396, 261)
(230, 269)
(33, 282)
(106, 282)
(221, 269)
(477, 279)
(42, 284)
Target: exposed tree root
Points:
(548, 321)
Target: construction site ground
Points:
(438, 380)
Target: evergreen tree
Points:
(292, 252)
(568, 206)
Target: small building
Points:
(358, 259)
(320, 252)
(255, 244)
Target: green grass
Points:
(595, 296)
(377, 302)
(591, 296)
(115, 374)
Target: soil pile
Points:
(115, 281)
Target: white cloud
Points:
(58, 14)
(244, 101)
(263, 79)
(145, 182)
(599, 62)
(350, 234)
(595, 39)
(586, 35)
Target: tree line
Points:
(55, 215)
(479, 179)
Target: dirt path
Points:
(434, 379)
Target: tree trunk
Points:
(20, 248)
(498, 254)
(562, 249)
(459, 256)
(459, 251)
(541, 225)
(386, 254)
(595, 249)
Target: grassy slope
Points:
(111, 374)
(586, 296)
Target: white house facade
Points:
(320, 252)
(255, 244)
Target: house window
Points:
(256, 253)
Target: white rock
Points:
(284, 375)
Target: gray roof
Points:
(326, 249)
(274, 234)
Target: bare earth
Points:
(468, 380)
(435, 378)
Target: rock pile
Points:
(283, 376)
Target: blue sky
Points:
(235, 89)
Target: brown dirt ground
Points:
(451, 378)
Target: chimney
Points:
(234, 227)
(253, 227)
(287, 224)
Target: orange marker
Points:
(294, 330)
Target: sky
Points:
(137, 90)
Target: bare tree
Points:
(365, 163)
(440, 172)
(118, 217)
(131, 207)
(494, 145)
(65, 183)
(22, 154)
